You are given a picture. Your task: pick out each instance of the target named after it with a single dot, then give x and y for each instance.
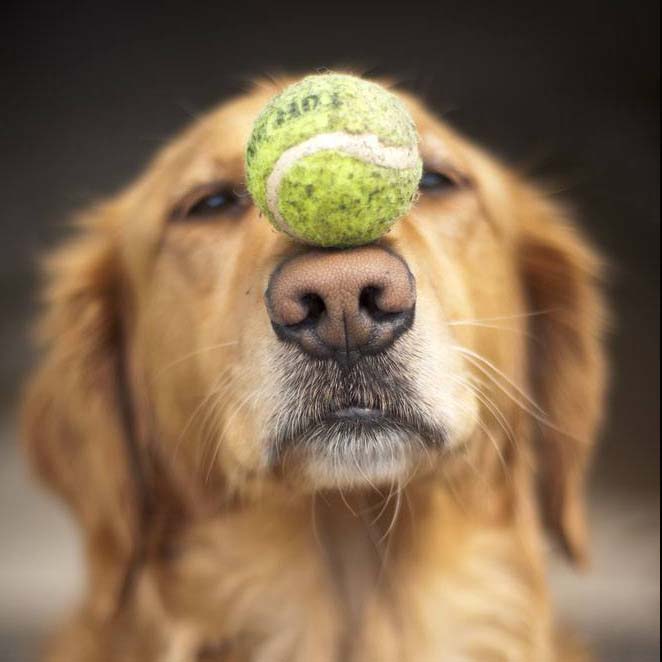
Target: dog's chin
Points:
(357, 451)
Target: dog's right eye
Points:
(210, 202)
(213, 204)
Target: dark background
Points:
(569, 91)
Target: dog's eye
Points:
(216, 202)
(210, 202)
(435, 182)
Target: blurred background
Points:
(567, 90)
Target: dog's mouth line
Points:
(358, 420)
(356, 414)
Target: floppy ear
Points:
(73, 426)
(562, 275)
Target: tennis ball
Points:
(333, 160)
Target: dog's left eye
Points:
(435, 182)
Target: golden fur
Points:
(149, 414)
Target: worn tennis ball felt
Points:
(333, 160)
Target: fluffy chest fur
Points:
(401, 579)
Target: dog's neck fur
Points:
(358, 577)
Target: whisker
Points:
(498, 416)
(394, 519)
(382, 553)
(482, 325)
(190, 355)
(476, 359)
(502, 318)
(485, 386)
(248, 398)
(540, 415)
(385, 505)
(493, 408)
(357, 464)
(217, 386)
(344, 499)
(207, 425)
(480, 475)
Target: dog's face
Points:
(251, 361)
(266, 359)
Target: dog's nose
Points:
(342, 304)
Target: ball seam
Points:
(366, 148)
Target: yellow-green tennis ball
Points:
(333, 160)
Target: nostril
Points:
(368, 301)
(314, 306)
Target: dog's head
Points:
(187, 341)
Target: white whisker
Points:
(246, 400)
(476, 359)
(497, 327)
(502, 318)
(538, 413)
(191, 355)
(394, 519)
(498, 416)
(215, 388)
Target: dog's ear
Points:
(562, 278)
(73, 426)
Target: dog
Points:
(278, 453)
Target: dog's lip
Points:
(368, 405)
(358, 414)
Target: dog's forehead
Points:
(228, 127)
(213, 148)
(232, 121)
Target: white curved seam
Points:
(364, 147)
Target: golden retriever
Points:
(279, 454)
